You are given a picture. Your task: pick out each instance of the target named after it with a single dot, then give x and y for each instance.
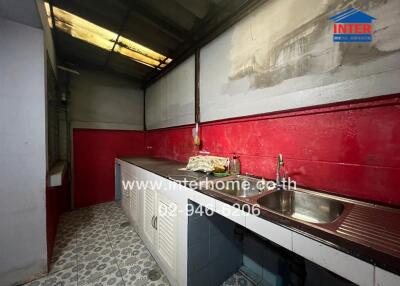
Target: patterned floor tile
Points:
(130, 256)
(96, 266)
(119, 228)
(93, 251)
(138, 274)
(99, 236)
(65, 259)
(121, 238)
(66, 277)
(146, 273)
(110, 279)
(237, 279)
(115, 220)
(97, 246)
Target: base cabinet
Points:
(130, 197)
(160, 230)
(148, 215)
(133, 210)
(160, 217)
(166, 225)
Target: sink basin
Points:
(303, 206)
(237, 186)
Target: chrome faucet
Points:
(280, 164)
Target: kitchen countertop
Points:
(366, 231)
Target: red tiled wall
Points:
(94, 158)
(347, 149)
(171, 143)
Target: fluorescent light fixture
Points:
(93, 34)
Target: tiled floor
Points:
(237, 279)
(97, 246)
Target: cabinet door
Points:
(148, 214)
(125, 193)
(134, 202)
(166, 234)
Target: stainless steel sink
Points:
(237, 186)
(303, 206)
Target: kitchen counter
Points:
(366, 231)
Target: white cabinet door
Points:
(148, 215)
(167, 233)
(125, 193)
(133, 202)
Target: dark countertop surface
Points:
(366, 231)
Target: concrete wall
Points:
(170, 101)
(22, 153)
(283, 57)
(102, 100)
(23, 11)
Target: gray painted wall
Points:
(23, 251)
(283, 57)
(170, 101)
(103, 100)
(21, 11)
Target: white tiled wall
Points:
(271, 231)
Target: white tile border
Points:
(386, 278)
(345, 265)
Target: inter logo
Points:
(352, 25)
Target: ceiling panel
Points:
(175, 12)
(199, 8)
(137, 29)
(70, 48)
(173, 28)
(130, 67)
(105, 13)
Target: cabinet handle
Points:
(155, 223)
(152, 221)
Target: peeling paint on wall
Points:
(292, 38)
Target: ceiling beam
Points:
(210, 28)
(80, 63)
(121, 28)
(54, 29)
(157, 19)
(199, 8)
